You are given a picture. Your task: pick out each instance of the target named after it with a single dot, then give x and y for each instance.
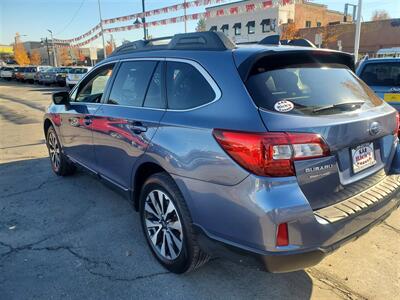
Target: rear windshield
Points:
(310, 89)
(79, 71)
(382, 74)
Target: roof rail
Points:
(275, 40)
(207, 40)
(143, 45)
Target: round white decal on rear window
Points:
(283, 106)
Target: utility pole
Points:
(184, 9)
(47, 48)
(102, 31)
(358, 31)
(54, 48)
(144, 21)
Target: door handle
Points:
(138, 128)
(87, 120)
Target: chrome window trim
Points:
(87, 74)
(196, 65)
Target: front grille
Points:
(382, 190)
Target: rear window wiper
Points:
(351, 105)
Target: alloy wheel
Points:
(54, 150)
(164, 227)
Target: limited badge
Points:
(283, 106)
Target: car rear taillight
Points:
(397, 129)
(273, 153)
(282, 235)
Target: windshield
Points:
(309, 90)
(381, 74)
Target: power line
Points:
(72, 19)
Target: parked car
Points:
(29, 74)
(19, 73)
(14, 71)
(269, 155)
(75, 75)
(383, 76)
(40, 69)
(49, 76)
(62, 75)
(6, 73)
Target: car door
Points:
(76, 118)
(124, 126)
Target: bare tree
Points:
(380, 14)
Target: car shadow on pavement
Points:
(74, 237)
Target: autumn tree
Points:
(201, 25)
(289, 32)
(380, 14)
(64, 57)
(20, 55)
(36, 58)
(330, 34)
(110, 46)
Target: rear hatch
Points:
(307, 91)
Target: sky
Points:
(71, 18)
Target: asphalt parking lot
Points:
(75, 238)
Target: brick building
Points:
(309, 15)
(256, 24)
(375, 35)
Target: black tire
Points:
(63, 167)
(191, 256)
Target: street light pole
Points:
(144, 21)
(47, 48)
(102, 31)
(184, 10)
(358, 31)
(15, 39)
(54, 48)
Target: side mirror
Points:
(61, 98)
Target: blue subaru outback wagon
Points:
(272, 156)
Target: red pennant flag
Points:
(267, 4)
(250, 7)
(234, 10)
(220, 12)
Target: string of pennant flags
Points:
(149, 13)
(233, 10)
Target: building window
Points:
(266, 25)
(213, 28)
(225, 29)
(238, 28)
(308, 24)
(318, 24)
(251, 27)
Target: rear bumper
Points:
(240, 222)
(47, 80)
(280, 262)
